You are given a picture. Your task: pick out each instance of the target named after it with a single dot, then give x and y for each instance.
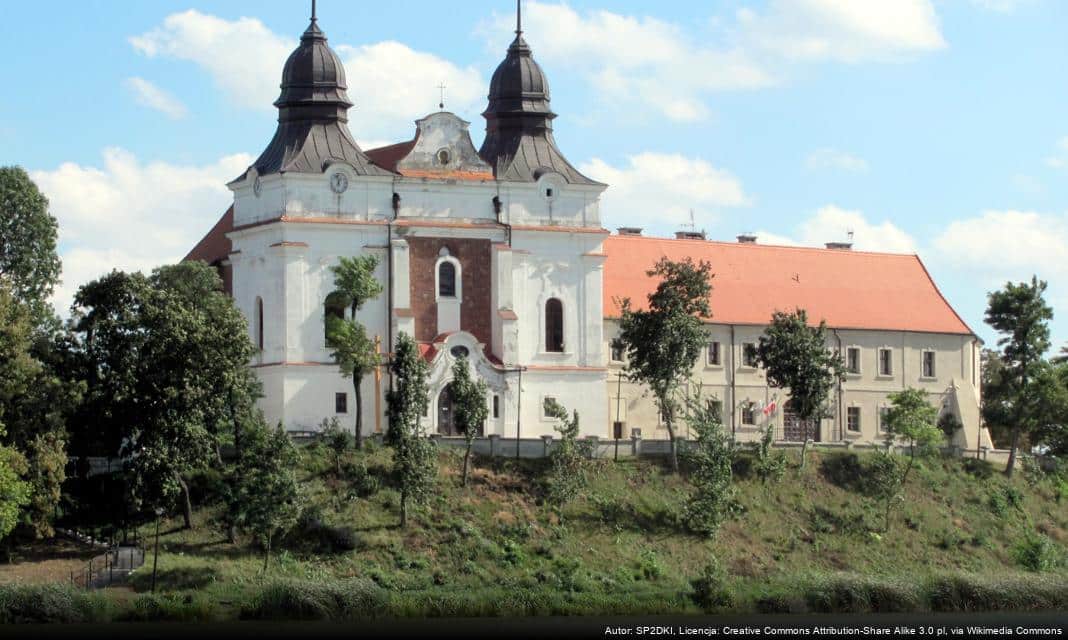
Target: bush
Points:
(305, 600)
(860, 594)
(49, 604)
(649, 567)
(710, 589)
(965, 592)
(363, 483)
(844, 470)
(979, 468)
(1037, 552)
(170, 608)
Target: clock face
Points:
(257, 187)
(339, 182)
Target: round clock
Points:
(257, 187)
(339, 182)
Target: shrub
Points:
(844, 470)
(860, 594)
(769, 464)
(306, 600)
(979, 468)
(964, 592)
(47, 604)
(649, 567)
(710, 588)
(1037, 552)
(364, 484)
(169, 608)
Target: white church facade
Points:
(500, 253)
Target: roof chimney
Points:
(747, 238)
(690, 235)
(840, 246)
(629, 231)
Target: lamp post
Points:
(155, 555)
(518, 406)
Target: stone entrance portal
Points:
(446, 424)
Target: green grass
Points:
(961, 540)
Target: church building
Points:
(500, 253)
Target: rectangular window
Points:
(884, 412)
(712, 357)
(928, 364)
(341, 403)
(853, 360)
(749, 355)
(886, 362)
(716, 408)
(617, 351)
(496, 406)
(748, 413)
(853, 419)
(549, 401)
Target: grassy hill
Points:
(811, 542)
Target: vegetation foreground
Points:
(964, 539)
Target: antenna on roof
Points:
(313, 11)
(850, 234)
(441, 87)
(518, 18)
(693, 225)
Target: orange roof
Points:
(848, 289)
(214, 245)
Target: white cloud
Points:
(391, 83)
(827, 158)
(644, 60)
(1059, 159)
(1000, 6)
(843, 30)
(664, 188)
(671, 70)
(132, 215)
(832, 223)
(243, 56)
(151, 96)
(1008, 244)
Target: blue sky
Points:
(939, 128)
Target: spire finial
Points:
(313, 18)
(441, 87)
(518, 18)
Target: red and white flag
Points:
(771, 407)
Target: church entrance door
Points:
(446, 425)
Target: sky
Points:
(936, 127)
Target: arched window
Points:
(446, 279)
(334, 307)
(259, 323)
(554, 326)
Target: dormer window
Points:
(446, 280)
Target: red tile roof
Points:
(848, 289)
(215, 245)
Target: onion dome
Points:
(519, 142)
(313, 114)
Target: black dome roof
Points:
(313, 75)
(519, 84)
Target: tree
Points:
(414, 457)
(1020, 314)
(1048, 407)
(913, 419)
(14, 491)
(29, 264)
(664, 341)
(709, 465)
(795, 356)
(354, 351)
(162, 356)
(265, 497)
(567, 475)
(770, 464)
(470, 409)
(47, 462)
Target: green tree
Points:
(29, 264)
(14, 490)
(414, 456)
(162, 357)
(354, 350)
(265, 497)
(1048, 408)
(47, 461)
(1020, 314)
(709, 465)
(770, 464)
(568, 464)
(470, 409)
(664, 341)
(912, 419)
(795, 356)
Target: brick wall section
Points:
(474, 257)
